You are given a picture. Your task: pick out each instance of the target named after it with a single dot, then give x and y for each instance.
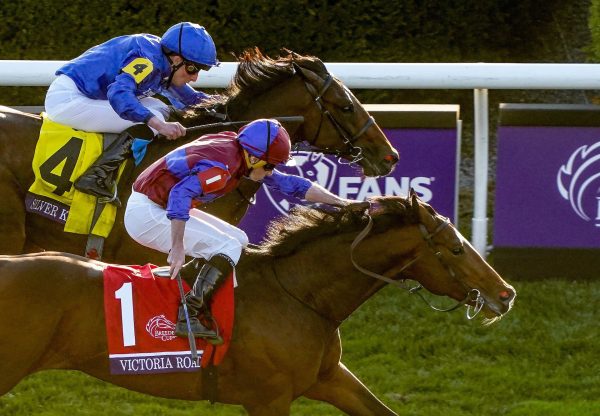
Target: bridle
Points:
(351, 151)
(473, 295)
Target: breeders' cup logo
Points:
(312, 166)
(161, 328)
(578, 182)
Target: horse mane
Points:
(256, 74)
(304, 224)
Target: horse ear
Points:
(307, 74)
(414, 202)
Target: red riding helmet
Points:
(267, 140)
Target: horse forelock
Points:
(304, 224)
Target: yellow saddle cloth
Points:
(62, 154)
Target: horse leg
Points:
(272, 398)
(27, 327)
(279, 407)
(12, 215)
(342, 389)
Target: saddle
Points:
(61, 155)
(155, 302)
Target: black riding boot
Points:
(210, 278)
(99, 179)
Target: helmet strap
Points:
(268, 140)
(174, 68)
(247, 158)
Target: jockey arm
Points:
(304, 189)
(122, 98)
(319, 194)
(184, 96)
(203, 180)
(121, 95)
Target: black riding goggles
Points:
(268, 166)
(194, 67)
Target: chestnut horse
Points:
(294, 291)
(335, 121)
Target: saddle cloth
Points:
(140, 314)
(62, 154)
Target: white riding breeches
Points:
(205, 235)
(67, 105)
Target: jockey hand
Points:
(176, 259)
(171, 130)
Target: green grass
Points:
(542, 359)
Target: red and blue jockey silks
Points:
(202, 171)
(267, 140)
(125, 69)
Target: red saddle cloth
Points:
(140, 313)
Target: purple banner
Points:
(428, 160)
(548, 187)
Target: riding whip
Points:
(191, 338)
(195, 129)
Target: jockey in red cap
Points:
(160, 213)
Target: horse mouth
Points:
(493, 311)
(376, 168)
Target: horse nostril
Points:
(391, 158)
(506, 295)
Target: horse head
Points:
(446, 264)
(333, 113)
(334, 260)
(335, 122)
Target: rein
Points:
(354, 152)
(473, 295)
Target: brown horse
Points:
(261, 87)
(289, 304)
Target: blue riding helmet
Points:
(267, 140)
(192, 42)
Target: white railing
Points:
(476, 76)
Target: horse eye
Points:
(348, 109)
(457, 251)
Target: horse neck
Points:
(325, 279)
(289, 98)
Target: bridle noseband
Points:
(352, 151)
(473, 295)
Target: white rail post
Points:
(480, 220)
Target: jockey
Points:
(160, 212)
(109, 88)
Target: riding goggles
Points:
(263, 164)
(194, 67)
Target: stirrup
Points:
(211, 336)
(113, 199)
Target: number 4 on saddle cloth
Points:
(61, 155)
(140, 314)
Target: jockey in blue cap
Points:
(109, 88)
(160, 213)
